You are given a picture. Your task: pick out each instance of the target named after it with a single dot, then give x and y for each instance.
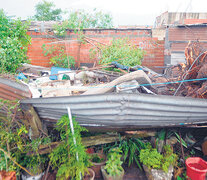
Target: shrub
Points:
(121, 50)
(151, 158)
(13, 43)
(114, 164)
(58, 56)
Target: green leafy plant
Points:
(13, 43)
(131, 148)
(151, 158)
(121, 50)
(17, 150)
(95, 158)
(182, 141)
(11, 133)
(71, 159)
(45, 11)
(114, 164)
(183, 176)
(31, 159)
(58, 56)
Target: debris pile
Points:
(184, 79)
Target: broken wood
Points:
(87, 141)
(139, 134)
(32, 120)
(99, 139)
(95, 68)
(139, 75)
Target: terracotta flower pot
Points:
(204, 147)
(90, 175)
(107, 177)
(97, 166)
(8, 175)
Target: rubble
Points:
(184, 79)
(140, 76)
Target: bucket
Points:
(196, 168)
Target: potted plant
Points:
(98, 160)
(70, 158)
(32, 160)
(90, 175)
(157, 165)
(113, 169)
(130, 148)
(35, 164)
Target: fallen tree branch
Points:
(139, 75)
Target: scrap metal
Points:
(11, 90)
(122, 110)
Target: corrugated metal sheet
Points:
(11, 90)
(123, 110)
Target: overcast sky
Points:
(124, 12)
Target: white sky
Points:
(124, 12)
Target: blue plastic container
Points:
(54, 70)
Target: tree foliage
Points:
(121, 50)
(13, 43)
(82, 19)
(45, 11)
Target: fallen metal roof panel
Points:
(123, 110)
(11, 90)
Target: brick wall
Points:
(141, 37)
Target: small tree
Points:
(45, 11)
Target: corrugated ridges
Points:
(11, 90)
(122, 110)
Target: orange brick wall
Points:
(141, 37)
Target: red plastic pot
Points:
(196, 168)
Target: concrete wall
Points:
(174, 18)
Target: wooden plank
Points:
(99, 139)
(87, 141)
(32, 120)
